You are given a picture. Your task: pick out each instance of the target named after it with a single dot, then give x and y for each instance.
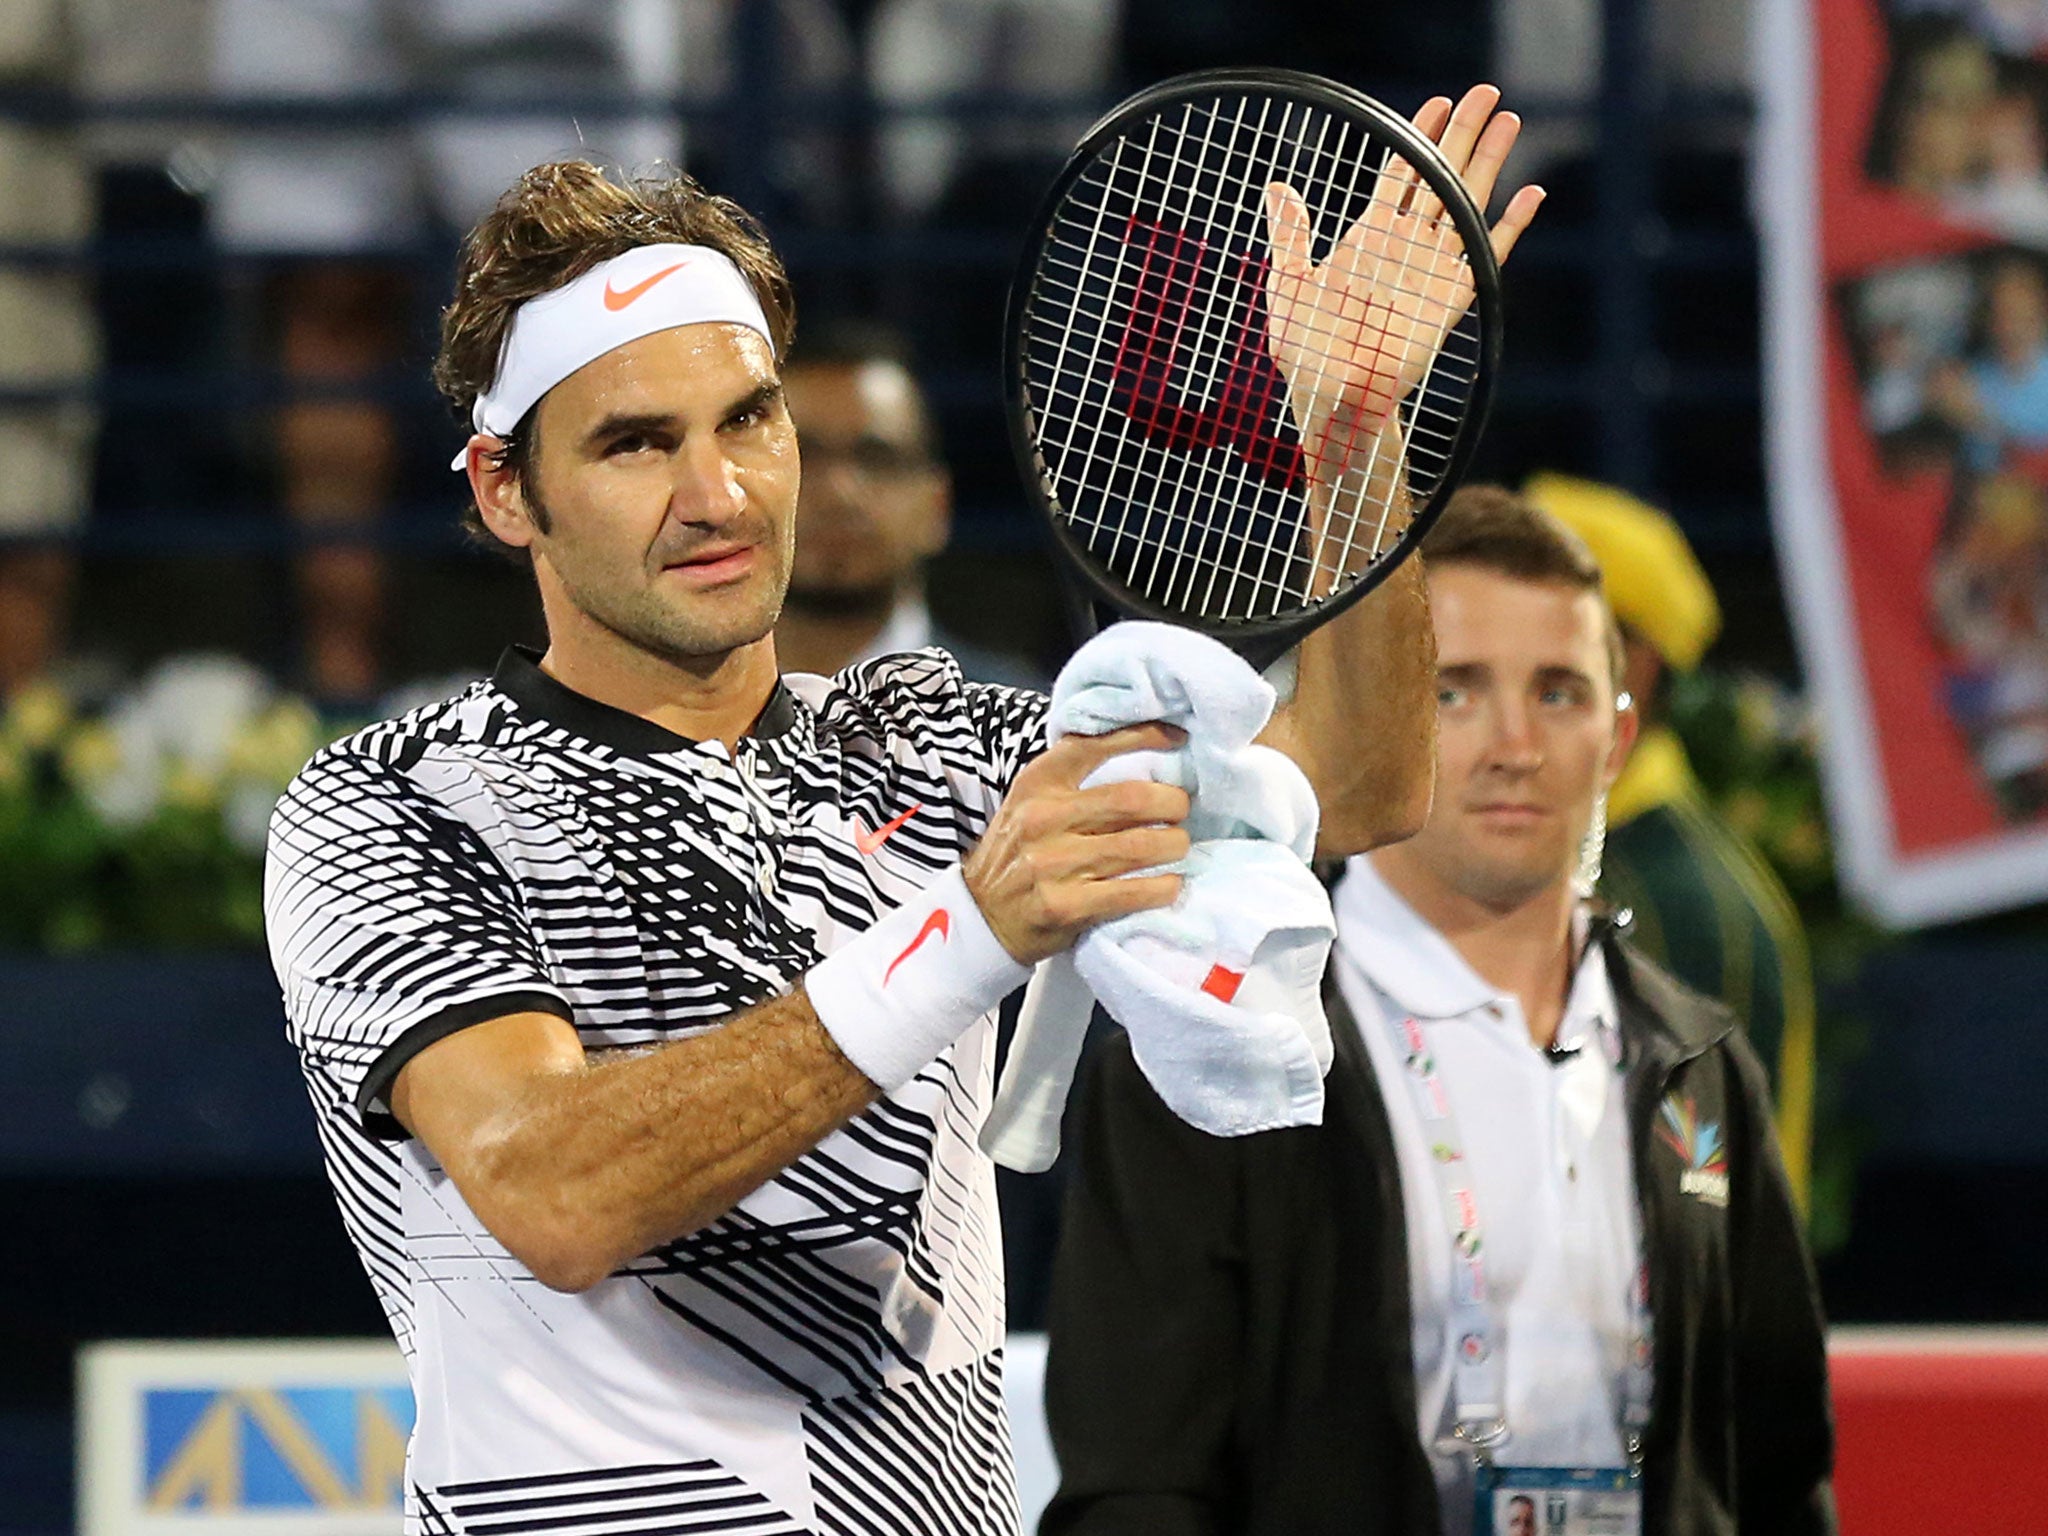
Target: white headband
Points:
(647, 289)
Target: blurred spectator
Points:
(1988, 591)
(925, 50)
(349, 206)
(876, 505)
(1948, 88)
(49, 348)
(1706, 905)
(1895, 393)
(908, 54)
(2012, 198)
(1551, 50)
(1999, 402)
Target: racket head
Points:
(1149, 422)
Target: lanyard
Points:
(1479, 1371)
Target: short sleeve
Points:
(391, 925)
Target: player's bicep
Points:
(457, 1094)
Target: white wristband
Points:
(907, 988)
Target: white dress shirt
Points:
(1547, 1146)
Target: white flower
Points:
(246, 816)
(123, 780)
(196, 707)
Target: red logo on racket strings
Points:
(1179, 275)
(940, 922)
(869, 842)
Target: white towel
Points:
(1138, 671)
(1221, 993)
(1252, 921)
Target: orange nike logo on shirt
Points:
(868, 842)
(940, 922)
(615, 299)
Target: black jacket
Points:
(1230, 1318)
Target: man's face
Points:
(2018, 311)
(874, 505)
(1521, 1517)
(668, 473)
(1528, 734)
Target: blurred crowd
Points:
(1953, 355)
(337, 148)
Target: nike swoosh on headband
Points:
(615, 299)
(647, 289)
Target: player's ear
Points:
(500, 497)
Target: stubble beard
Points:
(1498, 883)
(689, 640)
(689, 634)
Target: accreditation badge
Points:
(1558, 1501)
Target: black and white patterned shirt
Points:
(826, 1356)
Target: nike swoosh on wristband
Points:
(940, 922)
(615, 299)
(868, 842)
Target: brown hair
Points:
(557, 222)
(1492, 528)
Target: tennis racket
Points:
(1250, 346)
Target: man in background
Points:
(1543, 1226)
(1707, 907)
(876, 506)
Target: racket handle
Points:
(1023, 1126)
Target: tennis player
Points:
(643, 993)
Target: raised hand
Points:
(1353, 334)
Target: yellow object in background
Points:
(1653, 580)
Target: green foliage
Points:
(1754, 747)
(119, 831)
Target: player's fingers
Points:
(1072, 758)
(1431, 116)
(1468, 120)
(1515, 218)
(1112, 855)
(1288, 229)
(1467, 125)
(1108, 899)
(1133, 803)
(1489, 154)
(1390, 189)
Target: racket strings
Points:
(1168, 436)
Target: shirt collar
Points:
(520, 678)
(1423, 974)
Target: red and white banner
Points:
(1903, 195)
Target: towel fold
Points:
(1221, 992)
(1138, 671)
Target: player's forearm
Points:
(1362, 722)
(592, 1168)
